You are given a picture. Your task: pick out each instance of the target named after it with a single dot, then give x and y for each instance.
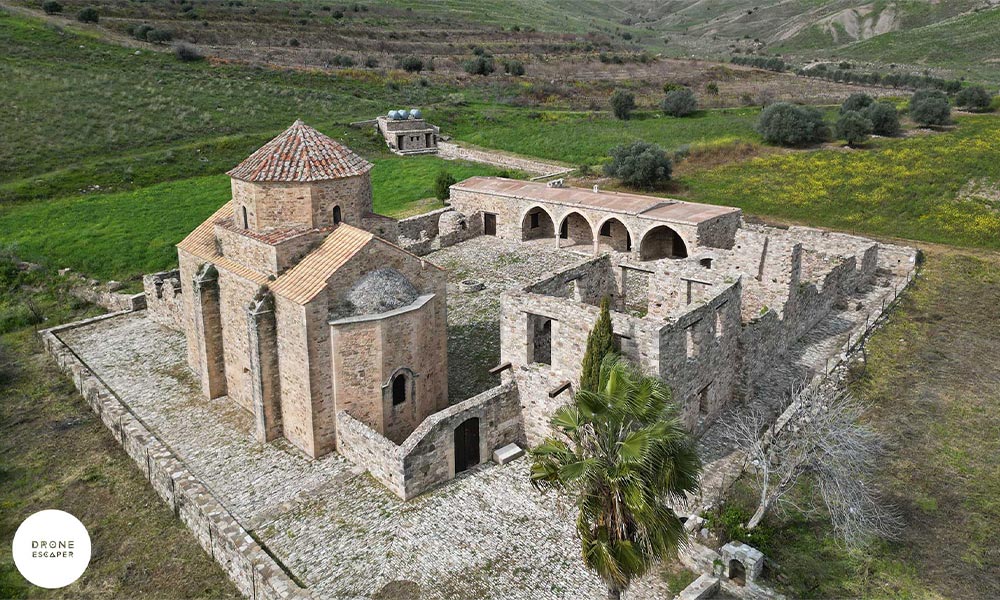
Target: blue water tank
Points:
(415, 113)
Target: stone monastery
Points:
(319, 317)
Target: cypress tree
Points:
(600, 343)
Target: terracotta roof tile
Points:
(201, 243)
(304, 281)
(300, 154)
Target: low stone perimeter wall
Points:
(426, 458)
(254, 572)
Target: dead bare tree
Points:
(827, 441)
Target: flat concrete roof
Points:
(649, 207)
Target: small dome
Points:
(415, 113)
(377, 292)
(393, 114)
(404, 114)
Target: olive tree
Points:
(639, 164)
(792, 124)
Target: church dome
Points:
(380, 291)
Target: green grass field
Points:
(125, 234)
(933, 385)
(905, 188)
(968, 45)
(585, 138)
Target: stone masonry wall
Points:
(254, 572)
(165, 298)
(437, 229)
(427, 457)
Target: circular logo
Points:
(51, 549)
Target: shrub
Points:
(187, 52)
(673, 87)
(712, 88)
(480, 65)
(791, 124)
(856, 103)
(884, 118)
(930, 107)
(622, 104)
(159, 36)
(513, 67)
(88, 15)
(853, 127)
(371, 62)
(639, 164)
(52, 7)
(443, 184)
(411, 64)
(974, 98)
(679, 103)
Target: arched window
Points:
(336, 215)
(246, 221)
(399, 389)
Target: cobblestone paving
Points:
(474, 318)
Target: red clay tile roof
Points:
(301, 154)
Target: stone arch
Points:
(662, 242)
(536, 224)
(246, 220)
(613, 234)
(400, 388)
(576, 230)
(337, 215)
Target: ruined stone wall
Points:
(571, 323)
(422, 234)
(699, 356)
(254, 572)
(587, 282)
(719, 232)
(165, 303)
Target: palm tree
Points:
(623, 454)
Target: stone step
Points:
(508, 453)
